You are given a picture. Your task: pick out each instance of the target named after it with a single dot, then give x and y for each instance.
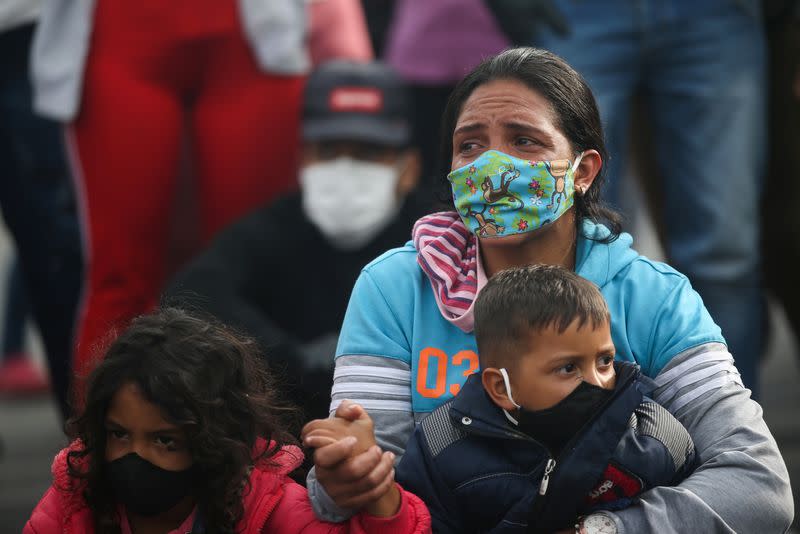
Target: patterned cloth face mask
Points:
(498, 195)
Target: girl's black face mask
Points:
(146, 489)
(555, 426)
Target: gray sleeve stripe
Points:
(693, 373)
(700, 358)
(374, 404)
(717, 383)
(378, 388)
(371, 371)
(654, 421)
(666, 394)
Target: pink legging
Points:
(156, 68)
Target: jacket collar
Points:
(474, 411)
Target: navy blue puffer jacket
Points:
(478, 473)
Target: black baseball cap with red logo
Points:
(352, 101)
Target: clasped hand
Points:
(351, 467)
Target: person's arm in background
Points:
(741, 484)
(521, 20)
(379, 15)
(373, 370)
(232, 277)
(338, 31)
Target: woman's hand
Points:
(354, 471)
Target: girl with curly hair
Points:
(181, 433)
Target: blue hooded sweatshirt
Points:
(393, 314)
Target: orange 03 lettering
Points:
(458, 359)
(441, 373)
(442, 362)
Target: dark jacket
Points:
(478, 473)
(273, 275)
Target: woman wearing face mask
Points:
(525, 148)
(181, 433)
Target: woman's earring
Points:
(579, 190)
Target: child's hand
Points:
(350, 420)
(349, 465)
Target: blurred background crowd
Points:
(248, 158)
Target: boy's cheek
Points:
(612, 383)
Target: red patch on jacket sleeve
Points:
(614, 484)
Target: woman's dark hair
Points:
(573, 105)
(207, 380)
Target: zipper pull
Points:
(551, 464)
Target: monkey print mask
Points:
(498, 195)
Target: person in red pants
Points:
(154, 73)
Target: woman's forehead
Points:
(503, 99)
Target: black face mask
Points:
(146, 489)
(555, 426)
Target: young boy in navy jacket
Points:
(552, 428)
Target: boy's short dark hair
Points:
(516, 302)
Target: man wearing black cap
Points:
(284, 273)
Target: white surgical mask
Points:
(350, 200)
